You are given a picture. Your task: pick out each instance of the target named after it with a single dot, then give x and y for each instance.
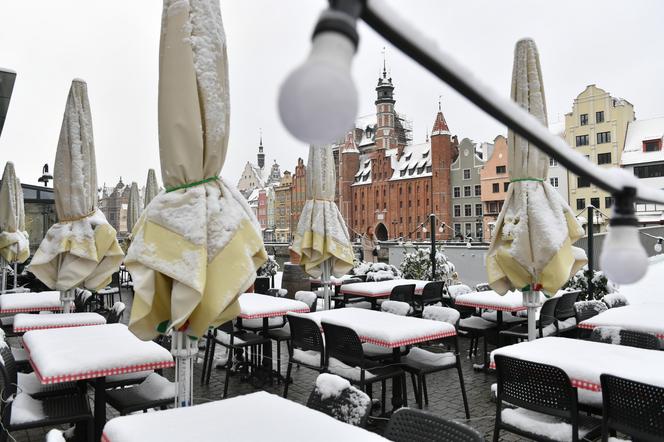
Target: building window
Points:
(582, 140)
(466, 191)
(478, 231)
(553, 162)
(469, 229)
(599, 117)
(478, 190)
(457, 228)
(554, 181)
(603, 137)
(608, 202)
(495, 187)
(467, 210)
(580, 203)
(501, 169)
(583, 119)
(594, 202)
(478, 209)
(651, 171)
(582, 181)
(604, 158)
(506, 185)
(652, 145)
(457, 210)
(466, 174)
(456, 192)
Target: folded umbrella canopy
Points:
(322, 238)
(14, 244)
(532, 241)
(133, 206)
(151, 188)
(81, 249)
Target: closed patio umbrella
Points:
(322, 238)
(14, 245)
(151, 188)
(81, 249)
(532, 242)
(133, 207)
(197, 246)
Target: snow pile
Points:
(307, 297)
(329, 385)
(337, 367)
(340, 400)
(589, 308)
(458, 289)
(380, 275)
(26, 409)
(443, 314)
(309, 357)
(396, 307)
(541, 424)
(375, 271)
(428, 358)
(615, 300)
(254, 306)
(118, 308)
(55, 436)
(609, 335)
(156, 387)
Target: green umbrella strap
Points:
(516, 180)
(194, 184)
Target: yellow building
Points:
(596, 128)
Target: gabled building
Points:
(298, 193)
(494, 180)
(282, 208)
(466, 202)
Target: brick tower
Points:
(349, 164)
(444, 149)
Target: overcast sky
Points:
(617, 45)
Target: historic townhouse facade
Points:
(466, 198)
(494, 180)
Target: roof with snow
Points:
(414, 163)
(639, 131)
(363, 175)
(440, 125)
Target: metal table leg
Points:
(100, 406)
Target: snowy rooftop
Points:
(363, 175)
(414, 163)
(637, 132)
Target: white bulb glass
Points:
(318, 100)
(424, 229)
(658, 248)
(468, 245)
(623, 259)
(440, 229)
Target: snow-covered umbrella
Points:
(197, 246)
(133, 206)
(322, 238)
(151, 188)
(14, 245)
(81, 249)
(531, 248)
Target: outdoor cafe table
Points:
(30, 302)
(255, 417)
(647, 318)
(378, 289)
(386, 330)
(584, 362)
(491, 300)
(91, 353)
(257, 306)
(24, 322)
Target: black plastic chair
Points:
(629, 338)
(586, 310)
(139, 397)
(352, 406)
(541, 388)
(261, 284)
(633, 408)
(57, 410)
(28, 382)
(565, 311)
(409, 425)
(115, 313)
(226, 336)
(547, 319)
(305, 336)
(403, 293)
(344, 345)
(432, 293)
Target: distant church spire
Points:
(261, 155)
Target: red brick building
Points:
(389, 183)
(298, 193)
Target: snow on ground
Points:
(649, 289)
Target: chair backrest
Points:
(588, 309)
(547, 313)
(403, 293)
(632, 408)
(534, 386)
(444, 314)
(9, 363)
(334, 396)
(306, 335)
(616, 335)
(8, 382)
(115, 313)
(432, 293)
(613, 300)
(342, 343)
(409, 425)
(482, 287)
(308, 298)
(396, 307)
(262, 284)
(565, 306)
(115, 280)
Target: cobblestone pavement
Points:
(444, 394)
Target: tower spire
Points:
(384, 64)
(261, 155)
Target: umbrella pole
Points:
(15, 274)
(67, 299)
(3, 264)
(531, 299)
(325, 279)
(183, 349)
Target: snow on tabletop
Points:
(511, 301)
(649, 288)
(585, 361)
(385, 329)
(458, 289)
(25, 321)
(381, 288)
(541, 424)
(27, 302)
(647, 318)
(306, 296)
(67, 354)
(237, 417)
(330, 385)
(254, 305)
(396, 307)
(26, 409)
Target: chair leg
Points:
(485, 350)
(288, 375)
(278, 361)
(90, 429)
(404, 389)
(419, 393)
(416, 391)
(229, 366)
(205, 359)
(208, 373)
(383, 396)
(463, 389)
(496, 432)
(426, 393)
